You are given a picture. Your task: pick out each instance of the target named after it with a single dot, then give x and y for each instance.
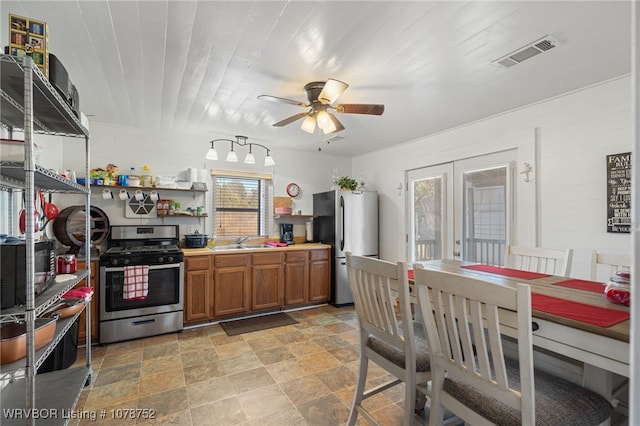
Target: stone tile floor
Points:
(301, 374)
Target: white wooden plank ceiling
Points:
(198, 66)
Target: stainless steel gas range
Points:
(141, 282)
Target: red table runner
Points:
(507, 272)
(595, 315)
(592, 286)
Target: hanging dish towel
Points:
(136, 282)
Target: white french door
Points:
(462, 210)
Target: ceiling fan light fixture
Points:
(323, 119)
(309, 124)
(329, 127)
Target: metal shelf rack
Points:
(28, 102)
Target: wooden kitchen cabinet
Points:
(319, 275)
(296, 277)
(93, 282)
(266, 280)
(231, 285)
(198, 290)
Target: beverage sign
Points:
(619, 193)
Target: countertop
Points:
(293, 247)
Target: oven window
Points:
(163, 290)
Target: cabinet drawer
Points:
(222, 260)
(296, 256)
(320, 254)
(196, 263)
(266, 258)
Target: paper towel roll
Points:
(308, 231)
(192, 174)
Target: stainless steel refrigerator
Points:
(348, 221)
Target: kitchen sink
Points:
(239, 247)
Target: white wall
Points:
(565, 138)
(172, 153)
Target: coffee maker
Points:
(286, 233)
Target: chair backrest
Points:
(375, 284)
(538, 259)
(461, 318)
(610, 263)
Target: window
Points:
(241, 203)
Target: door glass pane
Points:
(427, 222)
(485, 219)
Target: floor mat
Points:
(247, 325)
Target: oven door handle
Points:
(151, 268)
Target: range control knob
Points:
(170, 259)
(114, 262)
(125, 261)
(160, 259)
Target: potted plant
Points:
(347, 183)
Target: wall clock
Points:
(293, 190)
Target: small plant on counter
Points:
(345, 182)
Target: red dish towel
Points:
(507, 272)
(592, 286)
(410, 273)
(595, 315)
(136, 282)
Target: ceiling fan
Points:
(321, 96)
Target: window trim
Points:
(268, 194)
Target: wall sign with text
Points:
(619, 193)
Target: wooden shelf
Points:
(147, 188)
(293, 216)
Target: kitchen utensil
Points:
(13, 345)
(196, 240)
(50, 210)
(23, 219)
(65, 308)
(107, 194)
(123, 194)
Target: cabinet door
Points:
(82, 327)
(198, 289)
(231, 290)
(319, 276)
(197, 295)
(296, 278)
(267, 284)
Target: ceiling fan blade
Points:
(373, 109)
(331, 91)
(290, 119)
(285, 100)
(336, 123)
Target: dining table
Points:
(570, 317)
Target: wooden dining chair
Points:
(471, 376)
(538, 259)
(387, 335)
(608, 262)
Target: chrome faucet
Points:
(241, 240)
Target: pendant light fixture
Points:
(232, 156)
